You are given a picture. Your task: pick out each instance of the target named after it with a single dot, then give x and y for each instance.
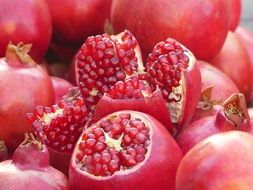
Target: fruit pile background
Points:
(126, 95)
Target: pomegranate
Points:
(23, 84)
(3, 151)
(73, 21)
(25, 23)
(232, 115)
(134, 94)
(125, 150)
(196, 24)
(222, 162)
(61, 87)
(60, 126)
(174, 69)
(29, 169)
(104, 60)
(235, 11)
(213, 80)
(234, 61)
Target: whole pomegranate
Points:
(61, 87)
(74, 21)
(221, 162)
(232, 115)
(23, 85)
(235, 11)
(201, 26)
(27, 22)
(213, 80)
(234, 61)
(29, 169)
(125, 150)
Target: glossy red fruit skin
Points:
(28, 22)
(61, 87)
(216, 164)
(235, 12)
(234, 61)
(153, 105)
(246, 37)
(30, 168)
(202, 31)
(23, 86)
(164, 157)
(205, 127)
(73, 21)
(212, 77)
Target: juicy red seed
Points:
(104, 59)
(164, 66)
(64, 128)
(132, 137)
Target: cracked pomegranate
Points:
(122, 151)
(59, 127)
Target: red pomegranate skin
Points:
(234, 61)
(216, 164)
(235, 12)
(201, 26)
(156, 173)
(27, 22)
(213, 77)
(22, 86)
(61, 87)
(74, 21)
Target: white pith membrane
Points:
(177, 108)
(116, 144)
(48, 117)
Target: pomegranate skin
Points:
(73, 21)
(216, 164)
(234, 61)
(25, 23)
(23, 86)
(216, 80)
(195, 24)
(158, 171)
(61, 87)
(235, 12)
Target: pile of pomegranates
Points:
(119, 95)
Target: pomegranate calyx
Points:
(31, 153)
(2, 146)
(235, 109)
(206, 103)
(17, 55)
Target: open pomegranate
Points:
(27, 22)
(213, 80)
(23, 84)
(104, 60)
(125, 150)
(3, 151)
(134, 94)
(29, 169)
(232, 115)
(73, 21)
(173, 68)
(234, 61)
(60, 126)
(221, 162)
(201, 26)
